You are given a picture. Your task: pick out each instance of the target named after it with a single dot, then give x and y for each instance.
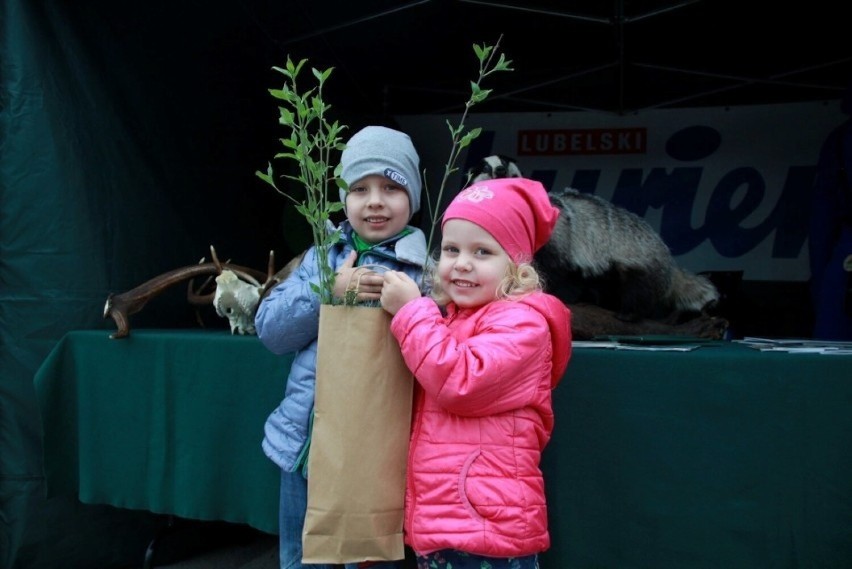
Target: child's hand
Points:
(369, 283)
(399, 288)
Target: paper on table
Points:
(612, 345)
(798, 345)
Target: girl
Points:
(485, 367)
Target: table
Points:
(719, 457)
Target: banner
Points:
(727, 188)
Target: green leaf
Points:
(286, 116)
(503, 64)
(299, 67)
(468, 138)
(482, 52)
(481, 95)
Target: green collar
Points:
(362, 246)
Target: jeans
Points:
(291, 520)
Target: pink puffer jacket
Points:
(482, 417)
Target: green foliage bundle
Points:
(461, 138)
(313, 139)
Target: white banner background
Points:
(727, 188)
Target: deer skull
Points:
(236, 300)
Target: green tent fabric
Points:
(124, 153)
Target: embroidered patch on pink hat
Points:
(475, 194)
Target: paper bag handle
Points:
(351, 294)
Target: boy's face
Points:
(377, 208)
(472, 264)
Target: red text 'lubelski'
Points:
(583, 141)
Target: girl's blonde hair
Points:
(521, 279)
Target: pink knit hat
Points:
(516, 211)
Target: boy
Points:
(381, 169)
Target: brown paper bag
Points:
(359, 442)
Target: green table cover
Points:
(719, 457)
(165, 421)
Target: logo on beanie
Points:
(475, 194)
(392, 174)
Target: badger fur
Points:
(608, 256)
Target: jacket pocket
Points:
(463, 481)
(489, 487)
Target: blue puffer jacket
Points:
(287, 320)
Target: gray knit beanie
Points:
(385, 152)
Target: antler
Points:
(121, 306)
(194, 296)
(273, 278)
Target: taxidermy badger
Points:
(495, 166)
(605, 255)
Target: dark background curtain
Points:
(129, 137)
